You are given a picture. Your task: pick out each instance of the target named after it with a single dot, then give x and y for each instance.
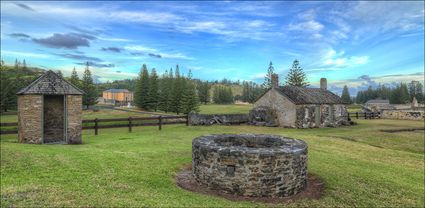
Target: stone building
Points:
(299, 107)
(49, 111)
(377, 105)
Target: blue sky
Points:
(354, 43)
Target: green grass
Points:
(354, 108)
(217, 109)
(360, 166)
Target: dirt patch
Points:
(314, 190)
(401, 130)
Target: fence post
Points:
(95, 126)
(349, 118)
(357, 115)
(365, 115)
(187, 120)
(160, 123)
(129, 124)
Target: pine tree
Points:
(75, 80)
(190, 101)
(153, 90)
(296, 76)
(346, 95)
(90, 94)
(268, 79)
(24, 65)
(175, 104)
(416, 90)
(142, 90)
(164, 91)
(204, 92)
(16, 64)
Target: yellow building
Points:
(118, 96)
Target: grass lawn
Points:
(360, 165)
(354, 108)
(231, 108)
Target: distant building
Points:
(300, 107)
(377, 104)
(117, 96)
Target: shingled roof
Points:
(302, 95)
(50, 84)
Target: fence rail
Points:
(364, 115)
(129, 122)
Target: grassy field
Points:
(360, 166)
(233, 108)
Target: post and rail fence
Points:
(129, 122)
(364, 115)
(159, 121)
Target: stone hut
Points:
(299, 107)
(49, 111)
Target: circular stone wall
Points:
(250, 165)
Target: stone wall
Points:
(263, 116)
(285, 109)
(403, 115)
(30, 115)
(250, 165)
(74, 111)
(196, 119)
(316, 116)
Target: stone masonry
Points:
(250, 165)
(196, 119)
(74, 112)
(31, 111)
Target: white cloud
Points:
(144, 49)
(332, 60)
(115, 39)
(140, 48)
(308, 26)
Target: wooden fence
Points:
(364, 115)
(129, 122)
(159, 121)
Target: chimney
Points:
(275, 81)
(323, 84)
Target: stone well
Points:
(250, 165)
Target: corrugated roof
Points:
(50, 84)
(116, 90)
(302, 95)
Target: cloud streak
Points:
(112, 49)
(24, 6)
(65, 41)
(19, 35)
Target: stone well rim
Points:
(291, 145)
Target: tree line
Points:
(172, 92)
(400, 94)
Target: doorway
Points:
(53, 124)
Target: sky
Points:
(356, 43)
